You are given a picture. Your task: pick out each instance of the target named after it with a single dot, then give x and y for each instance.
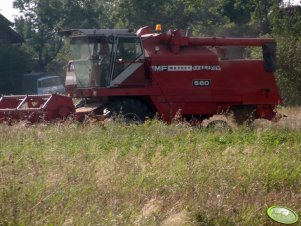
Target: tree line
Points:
(42, 20)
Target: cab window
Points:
(129, 49)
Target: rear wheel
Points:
(128, 111)
(244, 114)
(220, 123)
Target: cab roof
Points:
(97, 32)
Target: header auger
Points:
(142, 74)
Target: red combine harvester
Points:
(138, 75)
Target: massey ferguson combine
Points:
(142, 74)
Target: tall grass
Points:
(150, 174)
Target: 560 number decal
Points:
(202, 82)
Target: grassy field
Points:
(150, 174)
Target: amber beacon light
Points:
(158, 27)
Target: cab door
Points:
(128, 59)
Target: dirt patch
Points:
(177, 219)
(288, 122)
(150, 210)
(152, 207)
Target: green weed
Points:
(73, 174)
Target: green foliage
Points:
(38, 27)
(289, 68)
(287, 28)
(59, 63)
(261, 18)
(86, 174)
(43, 19)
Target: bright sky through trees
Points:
(7, 10)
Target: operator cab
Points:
(103, 57)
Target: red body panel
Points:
(189, 74)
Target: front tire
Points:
(128, 110)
